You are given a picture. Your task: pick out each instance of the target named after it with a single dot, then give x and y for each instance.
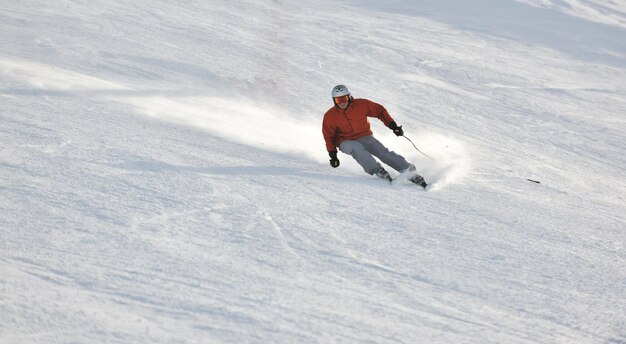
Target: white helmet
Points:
(340, 90)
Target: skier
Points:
(346, 127)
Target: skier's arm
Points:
(329, 133)
(378, 111)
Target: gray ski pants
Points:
(362, 150)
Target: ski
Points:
(416, 180)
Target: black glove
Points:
(396, 129)
(334, 162)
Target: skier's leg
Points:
(361, 155)
(396, 161)
(392, 159)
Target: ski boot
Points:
(382, 174)
(419, 180)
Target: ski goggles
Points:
(341, 100)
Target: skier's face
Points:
(342, 102)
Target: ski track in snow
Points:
(164, 178)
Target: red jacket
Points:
(351, 123)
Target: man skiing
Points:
(346, 127)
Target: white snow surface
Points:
(164, 178)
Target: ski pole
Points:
(426, 155)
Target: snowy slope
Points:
(164, 178)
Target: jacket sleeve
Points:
(329, 133)
(378, 111)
